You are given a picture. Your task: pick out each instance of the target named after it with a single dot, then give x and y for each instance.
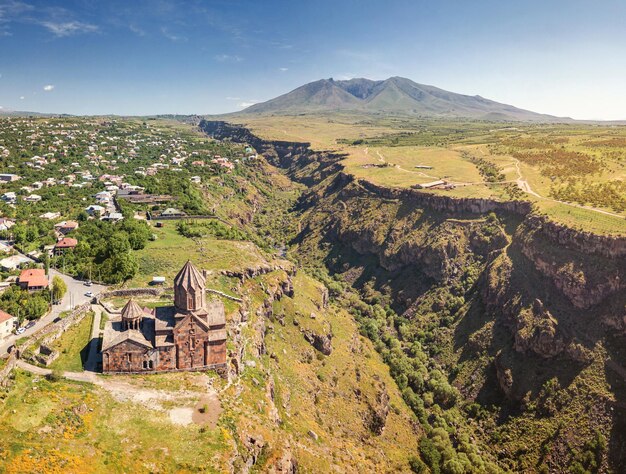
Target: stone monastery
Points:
(191, 335)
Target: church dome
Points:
(189, 289)
(189, 278)
(132, 315)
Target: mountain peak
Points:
(395, 96)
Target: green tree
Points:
(59, 288)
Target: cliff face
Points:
(584, 267)
(516, 300)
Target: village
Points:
(77, 197)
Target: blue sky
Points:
(565, 58)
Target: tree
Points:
(59, 288)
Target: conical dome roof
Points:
(132, 310)
(189, 278)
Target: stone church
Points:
(190, 335)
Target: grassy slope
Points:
(73, 346)
(82, 428)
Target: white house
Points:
(7, 323)
(94, 210)
(13, 262)
(10, 197)
(32, 198)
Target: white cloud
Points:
(48, 87)
(69, 28)
(138, 31)
(233, 98)
(223, 58)
(171, 36)
(22, 97)
(283, 69)
(247, 103)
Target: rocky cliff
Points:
(508, 299)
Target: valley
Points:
(517, 309)
(370, 324)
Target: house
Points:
(171, 212)
(431, 184)
(66, 243)
(50, 215)
(113, 217)
(8, 178)
(6, 224)
(190, 335)
(10, 197)
(66, 227)
(33, 279)
(32, 198)
(13, 262)
(7, 323)
(95, 210)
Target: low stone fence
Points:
(224, 295)
(135, 292)
(6, 370)
(45, 354)
(132, 292)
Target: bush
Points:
(55, 376)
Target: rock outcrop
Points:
(321, 342)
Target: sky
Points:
(143, 57)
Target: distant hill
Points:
(20, 113)
(396, 95)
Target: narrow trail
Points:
(524, 186)
(382, 159)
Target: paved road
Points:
(75, 296)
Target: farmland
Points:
(574, 173)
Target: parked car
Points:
(89, 294)
(30, 325)
(88, 283)
(20, 330)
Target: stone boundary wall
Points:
(224, 295)
(219, 368)
(132, 292)
(4, 373)
(45, 355)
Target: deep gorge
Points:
(521, 319)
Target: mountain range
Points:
(393, 96)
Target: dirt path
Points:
(382, 159)
(524, 186)
(206, 403)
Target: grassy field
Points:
(79, 428)
(73, 346)
(168, 253)
(64, 426)
(580, 165)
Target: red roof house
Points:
(64, 244)
(33, 279)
